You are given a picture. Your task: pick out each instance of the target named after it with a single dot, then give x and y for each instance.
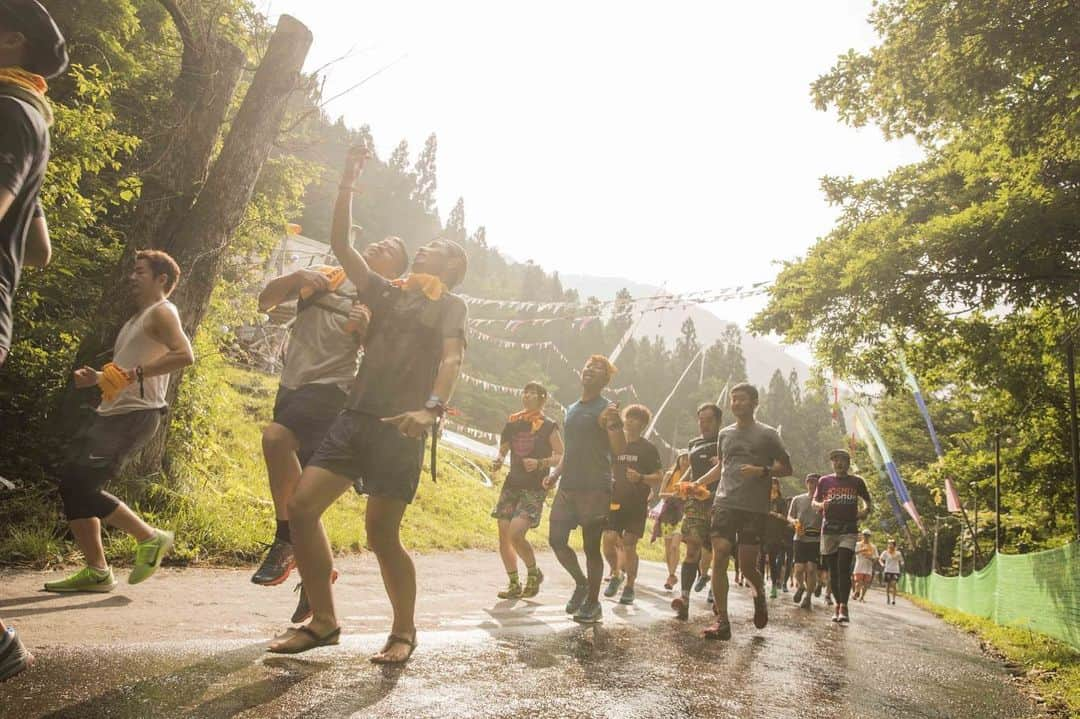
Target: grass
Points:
(1052, 666)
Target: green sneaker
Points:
(148, 556)
(86, 579)
(772, 593)
(511, 592)
(532, 584)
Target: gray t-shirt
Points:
(802, 509)
(320, 350)
(758, 444)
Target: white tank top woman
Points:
(136, 347)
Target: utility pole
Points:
(997, 492)
(975, 526)
(1074, 434)
(933, 556)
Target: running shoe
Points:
(86, 579)
(805, 603)
(798, 595)
(532, 584)
(276, 566)
(303, 609)
(577, 598)
(627, 596)
(513, 591)
(718, 630)
(14, 657)
(148, 556)
(589, 613)
(843, 617)
(613, 584)
(772, 592)
(701, 582)
(681, 607)
(761, 611)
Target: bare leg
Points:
(797, 573)
(721, 555)
(611, 551)
(558, 538)
(123, 518)
(317, 491)
(518, 528)
(87, 533)
(591, 536)
(630, 558)
(279, 447)
(748, 554)
(383, 521)
(811, 573)
(506, 548)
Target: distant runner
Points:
(866, 555)
(807, 523)
(669, 516)
(892, 563)
(535, 446)
(838, 496)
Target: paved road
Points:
(191, 643)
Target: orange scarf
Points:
(336, 275)
(535, 417)
(28, 87)
(430, 285)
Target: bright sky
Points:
(664, 142)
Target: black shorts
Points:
(738, 526)
(381, 461)
(308, 412)
(808, 552)
(892, 577)
(630, 518)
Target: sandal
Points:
(670, 583)
(391, 641)
(311, 641)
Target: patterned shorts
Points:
(520, 503)
(695, 524)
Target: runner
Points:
(669, 515)
(751, 454)
(321, 361)
(149, 347)
(594, 434)
(807, 523)
(777, 532)
(32, 50)
(413, 353)
(535, 446)
(866, 555)
(695, 526)
(892, 563)
(837, 496)
(637, 472)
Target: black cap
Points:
(48, 51)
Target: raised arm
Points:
(287, 287)
(355, 266)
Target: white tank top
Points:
(134, 347)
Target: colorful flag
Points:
(890, 469)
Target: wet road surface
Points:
(126, 655)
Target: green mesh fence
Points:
(1040, 591)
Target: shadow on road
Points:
(112, 601)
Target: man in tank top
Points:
(149, 347)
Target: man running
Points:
(637, 472)
(695, 526)
(669, 517)
(321, 361)
(149, 347)
(892, 563)
(751, 453)
(413, 352)
(32, 50)
(807, 523)
(866, 555)
(594, 434)
(838, 496)
(535, 446)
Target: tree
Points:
(424, 194)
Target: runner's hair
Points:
(640, 411)
(748, 389)
(712, 407)
(161, 263)
(537, 387)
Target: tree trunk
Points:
(201, 238)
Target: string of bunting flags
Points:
(511, 344)
(660, 300)
(471, 431)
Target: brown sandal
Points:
(311, 641)
(391, 641)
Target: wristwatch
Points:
(436, 405)
(767, 471)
